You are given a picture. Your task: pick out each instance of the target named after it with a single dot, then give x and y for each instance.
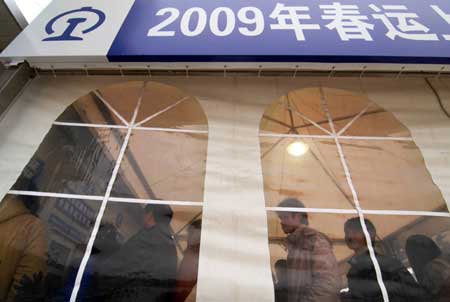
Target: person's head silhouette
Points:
(291, 221)
(354, 234)
(421, 250)
(157, 214)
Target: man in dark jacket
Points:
(281, 288)
(145, 267)
(312, 271)
(362, 279)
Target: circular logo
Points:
(73, 23)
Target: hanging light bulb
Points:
(297, 148)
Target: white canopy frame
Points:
(312, 210)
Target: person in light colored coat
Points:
(312, 270)
(23, 251)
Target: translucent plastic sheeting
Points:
(121, 98)
(163, 165)
(42, 242)
(186, 114)
(164, 106)
(72, 160)
(299, 167)
(391, 175)
(422, 245)
(95, 144)
(151, 256)
(90, 109)
(233, 163)
(373, 122)
(326, 260)
(296, 113)
(353, 114)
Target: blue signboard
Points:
(387, 31)
(324, 31)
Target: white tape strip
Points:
(125, 127)
(56, 195)
(312, 210)
(376, 265)
(117, 114)
(381, 138)
(295, 135)
(406, 213)
(376, 138)
(154, 201)
(349, 124)
(112, 199)
(308, 119)
(172, 130)
(161, 111)
(88, 125)
(102, 209)
(199, 203)
(354, 211)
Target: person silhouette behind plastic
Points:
(281, 287)
(312, 272)
(106, 244)
(431, 267)
(188, 270)
(362, 278)
(145, 267)
(23, 249)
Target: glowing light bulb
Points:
(297, 149)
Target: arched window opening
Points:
(332, 159)
(110, 205)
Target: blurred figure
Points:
(23, 250)
(105, 245)
(362, 279)
(281, 289)
(145, 267)
(188, 270)
(431, 267)
(312, 272)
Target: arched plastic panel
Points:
(172, 157)
(83, 193)
(335, 150)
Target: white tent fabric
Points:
(234, 259)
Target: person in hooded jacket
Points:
(431, 267)
(362, 278)
(23, 250)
